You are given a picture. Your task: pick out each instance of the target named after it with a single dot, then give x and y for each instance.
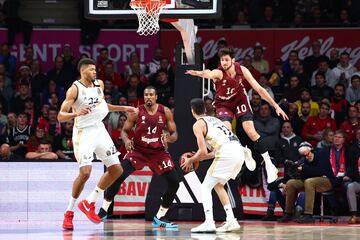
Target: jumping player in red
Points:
(148, 147)
(231, 101)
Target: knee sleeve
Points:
(206, 188)
(260, 145)
(111, 160)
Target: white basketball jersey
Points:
(94, 98)
(217, 133)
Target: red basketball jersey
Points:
(149, 128)
(231, 94)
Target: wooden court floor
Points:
(139, 229)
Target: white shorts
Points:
(228, 162)
(94, 139)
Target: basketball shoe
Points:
(68, 220)
(229, 226)
(205, 227)
(163, 223)
(249, 161)
(89, 210)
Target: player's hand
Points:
(129, 109)
(186, 164)
(165, 139)
(193, 73)
(83, 111)
(129, 145)
(281, 113)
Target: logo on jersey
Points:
(160, 120)
(224, 82)
(143, 119)
(99, 91)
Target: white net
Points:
(148, 13)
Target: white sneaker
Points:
(249, 161)
(205, 227)
(229, 226)
(272, 172)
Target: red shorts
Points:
(232, 108)
(158, 161)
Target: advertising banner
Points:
(48, 43)
(277, 42)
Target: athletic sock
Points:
(106, 204)
(71, 204)
(161, 212)
(94, 194)
(229, 212)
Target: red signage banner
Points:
(48, 43)
(277, 42)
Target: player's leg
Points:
(83, 155)
(260, 146)
(172, 180)
(231, 223)
(206, 188)
(106, 151)
(111, 191)
(78, 186)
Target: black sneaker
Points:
(286, 218)
(269, 216)
(306, 218)
(102, 214)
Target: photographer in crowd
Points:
(316, 176)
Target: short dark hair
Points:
(355, 76)
(222, 42)
(198, 106)
(259, 47)
(104, 49)
(326, 104)
(151, 88)
(320, 74)
(226, 51)
(84, 62)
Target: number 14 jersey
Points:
(149, 128)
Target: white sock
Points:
(106, 204)
(71, 205)
(161, 212)
(229, 212)
(94, 194)
(267, 158)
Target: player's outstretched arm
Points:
(120, 108)
(263, 93)
(128, 125)
(116, 108)
(214, 75)
(64, 113)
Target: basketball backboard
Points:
(111, 9)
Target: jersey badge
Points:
(143, 119)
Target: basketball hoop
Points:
(148, 12)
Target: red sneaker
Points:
(89, 210)
(68, 220)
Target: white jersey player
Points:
(85, 102)
(228, 157)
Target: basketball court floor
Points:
(139, 229)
